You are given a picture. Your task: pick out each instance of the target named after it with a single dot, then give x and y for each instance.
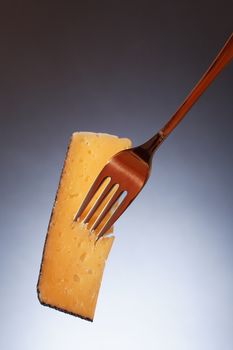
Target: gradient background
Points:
(120, 67)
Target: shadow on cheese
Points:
(72, 264)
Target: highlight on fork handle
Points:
(224, 57)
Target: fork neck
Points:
(147, 149)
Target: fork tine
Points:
(98, 201)
(107, 207)
(95, 186)
(117, 213)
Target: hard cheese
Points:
(72, 263)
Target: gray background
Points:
(120, 67)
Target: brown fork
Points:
(130, 169)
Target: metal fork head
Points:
(126, 173)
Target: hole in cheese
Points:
(76, 278)
(83, 256)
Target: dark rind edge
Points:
(37, 286)
(65, 311)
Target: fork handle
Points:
(222, 59)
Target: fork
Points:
(128, 170)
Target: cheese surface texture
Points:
(73, 262)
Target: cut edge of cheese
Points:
(72, 262)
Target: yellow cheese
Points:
(72, 263)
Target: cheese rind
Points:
(72, 263)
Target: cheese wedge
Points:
(73, 262)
